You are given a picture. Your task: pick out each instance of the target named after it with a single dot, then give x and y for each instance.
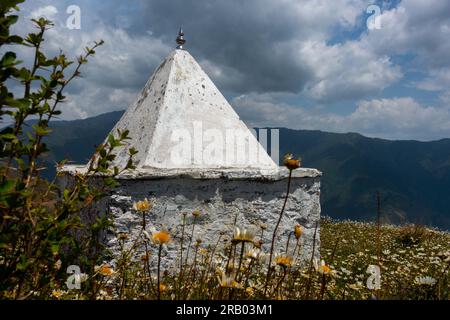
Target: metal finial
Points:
(180, 39)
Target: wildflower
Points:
(196, 213)
(298, 231)
(444, 255)
(291, 163)
(147, 235)
(89, 199)
(58, 264)
(160, 237)
(103, 294)
(203, 251)
(355, 286)
(57, 294)
(323, 268)
(253, 253)
(123, 235)
(262, 225)
(283, 260)
(162, 287)
(81, 277)
(243, 235)
(142, 206)
(428, 281)
(104, 270)
(250, 291)
(198, 242)
(258, 244)
(228, 281)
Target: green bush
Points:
(38, 220)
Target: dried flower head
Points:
(57, 294)
(58, 264)
(323, 268)
(258, 244)
(229, 281)
(262, 225)
(291, 163)
(162, 287)
(298, 231)
(104, 270)
(283, 260)
(253, 253)
(196, 213)
(123, 235)
(160, 237)
(142, 206)
(243, 235)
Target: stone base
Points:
(225, 200)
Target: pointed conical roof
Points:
(180, 120)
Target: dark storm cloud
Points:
(252, 38)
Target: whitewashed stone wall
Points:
(222, 201)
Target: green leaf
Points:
(7, 186)
(24, 74)
(12, 19)
(24, 263)
(132, 151)
(6, 5)
(55, 248)
(66, 194)
(8, 60)
(6, 191)
(9, 137)
(14, 39)
(33, 38)
(18, 103)
(41, 131)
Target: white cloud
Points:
(417, 26)
(346, 71)
(438, 80)
(421, 29)
(397, 118)
(48, 12)
(315, 18)
(400, 118)
(113, 77)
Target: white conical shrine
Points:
(181, 120)
(194, 153)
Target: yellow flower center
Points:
(160, 237)
(142, 206)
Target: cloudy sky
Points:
(309, 64)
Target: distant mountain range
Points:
(412, 177)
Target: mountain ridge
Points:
(412, 176)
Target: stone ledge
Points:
(204, 174)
